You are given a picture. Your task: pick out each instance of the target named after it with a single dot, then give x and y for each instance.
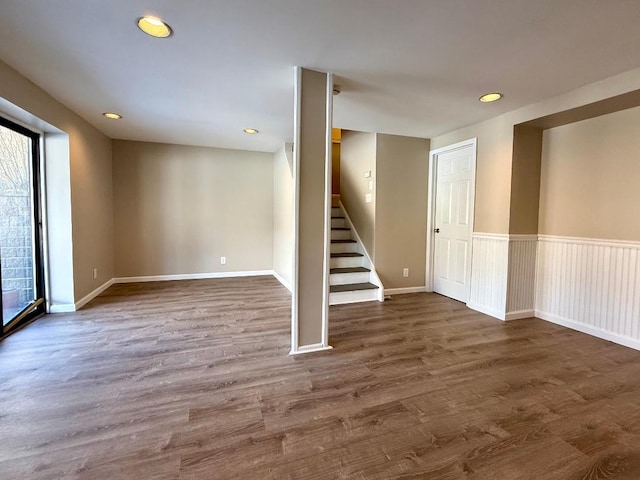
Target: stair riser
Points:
(353, 297)
(337, 223)
(340, 234)
(344, 247)
(345, 278)
(346, 262)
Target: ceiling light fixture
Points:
(154, 26)
(250, 131)
(112, 115)
(490, 97)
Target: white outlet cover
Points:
(368, 198)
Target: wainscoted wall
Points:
(522, 276)
(590, 285)
(489, 268)
(503, 275)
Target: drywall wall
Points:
(88, 220)
(178, 209)
(525, 180)
(357, 156)
(335, 168)
(311, 138)
(589, 181)
(493, 170)
(402, 166)
(283, 237)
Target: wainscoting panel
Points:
(489, 269)
(590, 285)
(522, 276)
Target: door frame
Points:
(38, 211)
(431, 205)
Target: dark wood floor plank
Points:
(192, 380)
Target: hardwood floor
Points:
(191, 380)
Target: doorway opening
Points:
(21, 237)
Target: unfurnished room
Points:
(320, 239)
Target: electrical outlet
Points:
(405, 272)
(368, 198)
(95, 273)
(223, 260)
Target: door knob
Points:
(436, 230)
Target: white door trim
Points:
(431, 204)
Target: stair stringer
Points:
(367, 262)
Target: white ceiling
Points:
(409, 67)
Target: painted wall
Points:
(83, 229)
(283, 213)
(310, 157)
(178, 209)
(357, 156)
(493, 170)
(402, 166)
(525, 180)
(590, 174)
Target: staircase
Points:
(351, 277)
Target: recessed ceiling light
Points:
(154, 26)
(250, 131)
(112, 116)
(490, 97)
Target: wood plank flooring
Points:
(191, 380)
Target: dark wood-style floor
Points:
(191, 380)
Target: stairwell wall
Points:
(402, 169)
(357, 156)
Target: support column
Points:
(312, 211)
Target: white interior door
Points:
(453, 220)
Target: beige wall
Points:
(590, 174)
(493, 171)
(311, 145)
(178, 209)
(525, 180)
(283, 213)
(402, 165)
(358, 155)
(90, 185)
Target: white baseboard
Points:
(68, 308)
(90, 296)
(62, 308)
(487, 310)
(281, 279)
(193, 276)
(589, 330)
(316, 347)
(401, 291)
(520, 314)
